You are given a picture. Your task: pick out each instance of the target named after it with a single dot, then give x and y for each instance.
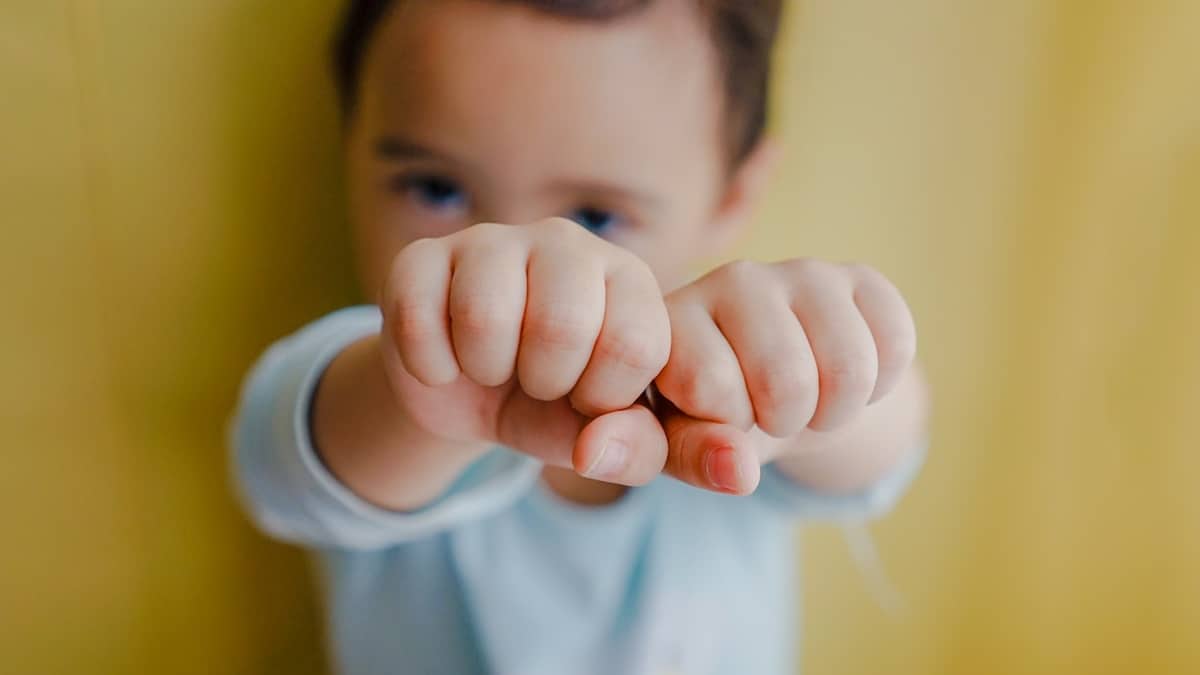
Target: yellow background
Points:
(1029, 171)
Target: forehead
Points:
(505, 81)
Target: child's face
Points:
(476, 111)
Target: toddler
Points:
(545, 448)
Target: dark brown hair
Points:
(743, 31)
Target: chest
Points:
(663, 589)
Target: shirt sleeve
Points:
(782, 494)
(292, 496)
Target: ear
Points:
(743, 193)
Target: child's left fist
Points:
(787, 346)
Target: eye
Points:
(596, 220)
(432, 192)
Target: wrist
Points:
(868, 449)
(370, 443)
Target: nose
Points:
(513, 209)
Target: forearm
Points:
(864, 452)
(365, 438)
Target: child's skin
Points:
(541, 336)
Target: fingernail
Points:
(611, 462)
(722, 469)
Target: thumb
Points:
(627, 447)
(711, 455)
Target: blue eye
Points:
(596, 220)
(434, 192)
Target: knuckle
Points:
(633, 350)
(408, 314)
(628, 266)
(899, 348)
(589, 404)
(895, 333)
(812, 272)
(742, 273)
(411, 326)
(593, 401)
(417, 250)
(849, 373)
(866, 276)
(560, 229)
(784, 400)
(544, 386)
(677, 463)
(400, 271)
(709, 392)
(483, 231)
(564, 327)
(476, 318)
(803, 266)
(778, 390)
(491, 242)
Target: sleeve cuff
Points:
(297, 498)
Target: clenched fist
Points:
(786, 346)
(520, 334)
(783, 347)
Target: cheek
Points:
(382, 230)
(374, 250)
(383, 225)
(377, 240)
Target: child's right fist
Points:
(565, 312)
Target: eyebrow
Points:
(605, 190)
(393, 148)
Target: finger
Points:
(546, 430)
(627, 447)
(711, 456)
(703, 377)
(892, 327)
(487, 300)
(633, 346)
(414, 306)
(563, 315)
(775, 360)
(843, 349)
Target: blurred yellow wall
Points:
(1029, 171)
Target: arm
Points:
(375, 426)
(371, 443)
(495, 335)
(286, 486)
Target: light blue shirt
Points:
(502, 576)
